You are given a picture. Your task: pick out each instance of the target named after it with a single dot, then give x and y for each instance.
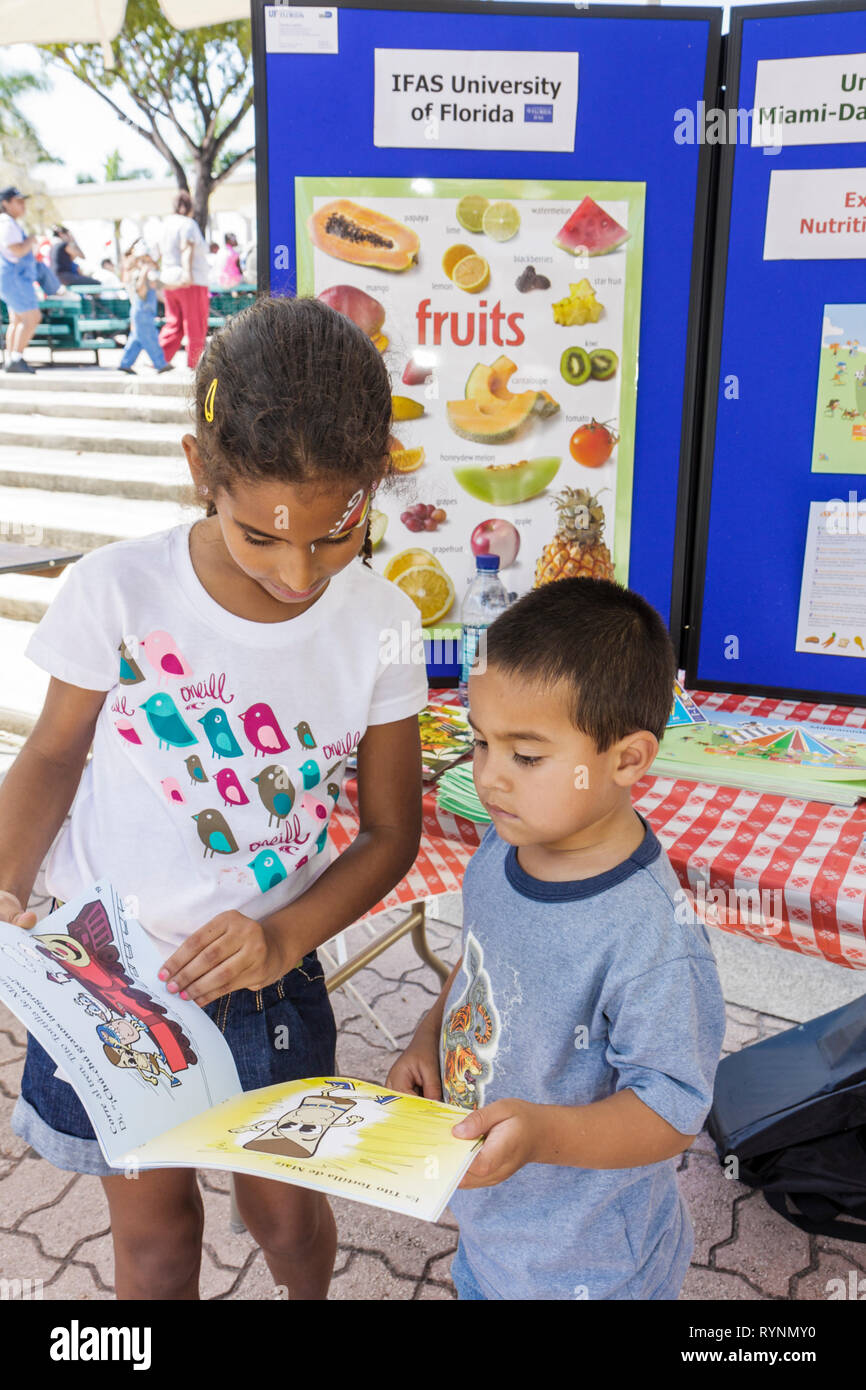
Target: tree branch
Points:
(233, 164)
(233, 124)
(144, 105)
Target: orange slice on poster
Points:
(472, 274)
(453, 256)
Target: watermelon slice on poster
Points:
(590, 231)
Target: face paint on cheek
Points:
(356, 511)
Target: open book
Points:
(160, 1087)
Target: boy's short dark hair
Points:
(606, 643)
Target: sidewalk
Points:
(54, 1227)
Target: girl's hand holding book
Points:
(229, 952)
(12, 911)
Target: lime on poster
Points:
(508, 315)
(839, 444)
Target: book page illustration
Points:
(84, 982)
(346, 1137)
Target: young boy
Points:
(583, 1024)
(141, 275)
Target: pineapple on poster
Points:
(508, 315)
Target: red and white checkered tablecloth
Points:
(783, 870)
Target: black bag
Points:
(792, 1110)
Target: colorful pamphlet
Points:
(684, 710)
(159, 1083)
(445, 736)
(821, 762)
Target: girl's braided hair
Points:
(301, 395)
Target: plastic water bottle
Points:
(485, 599)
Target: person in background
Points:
(17, 275)
(213, 257)
(229, 265)
(63, 249)
(185, 282)
(140, 269)
(108, 276)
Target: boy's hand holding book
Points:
(620, 1131)
(512, 1130)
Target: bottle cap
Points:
(487, 562)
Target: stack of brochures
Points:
(445, 737)
(457, 794)
(818, 762)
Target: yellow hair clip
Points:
(209, 400)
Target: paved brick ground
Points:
(54, 1227)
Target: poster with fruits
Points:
(508, 314)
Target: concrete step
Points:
(25, 598)
(101, 379)
(87, 405)
(119, 475)
(94, 436)
(22, 685)
(82, 521)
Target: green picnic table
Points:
(98, 318)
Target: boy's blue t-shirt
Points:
(569, 992)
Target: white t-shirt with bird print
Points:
(219, 751)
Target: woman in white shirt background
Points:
(184, 275)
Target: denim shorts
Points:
(464, 1281)
(51, 1118)
(16, 283)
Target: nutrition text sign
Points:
(475, 100)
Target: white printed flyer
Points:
(832, 617)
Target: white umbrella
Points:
(100, 21)
(191, 14)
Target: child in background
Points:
(224, 670)
(583, 1023)
(142, 279)
(228, 263)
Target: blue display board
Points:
(767, 323)
(638, 69)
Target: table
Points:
(807, 858)
(38, 560)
